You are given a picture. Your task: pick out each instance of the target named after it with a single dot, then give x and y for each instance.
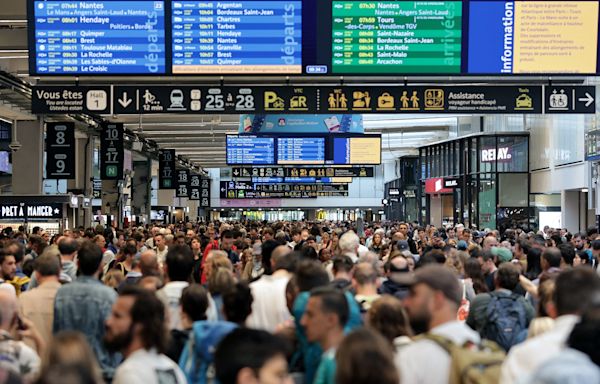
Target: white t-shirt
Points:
(16, 356)
(170, 295)
(269, 305)
(148, 367)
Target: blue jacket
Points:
(310, 353)
(84, 306)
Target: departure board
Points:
(396, 36)
(250, 150)
(300, 150)
(98, 37)
(237, 37)
(357, 150)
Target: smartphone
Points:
(20, 324)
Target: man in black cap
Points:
(434, 299)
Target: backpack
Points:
(197, 358)
(471, 363)
(506, 321)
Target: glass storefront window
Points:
(474, 158)
(513, 154)
(487, 202)
(487, 154)
(508, 194)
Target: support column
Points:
(111, 202)
(82, 183)
(141, 186)
(570, 209)
(28, 161)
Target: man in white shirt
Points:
(432, 304)
(269, 306)
(178, 267)
(161, 248)
(136, 329)
(574, 291)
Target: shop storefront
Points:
(49, 212)
(401, 193)
(479, 180)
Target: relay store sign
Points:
(31, 211)
(503, 154)
(436, 186)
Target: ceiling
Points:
(199, 138)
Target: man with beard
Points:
(137, 329)
(432, 304)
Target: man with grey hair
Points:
(269, 307)
(350, 245)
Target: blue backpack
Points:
(197, 358)
(506, 321)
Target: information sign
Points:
(60, 151)
(111, 152)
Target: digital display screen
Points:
(396, 36)
(312, 37)
(250, 150)
(229, 37)
(301, 150)
(357, 150)
(524, 37)
(98, 37)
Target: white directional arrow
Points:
(124, 100)
(222, 189)
(588, 99)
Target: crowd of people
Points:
(299, 302)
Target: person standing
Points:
(137, 329)
(85, 304)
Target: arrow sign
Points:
(124, 100)
(588, 99)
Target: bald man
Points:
(149, 263)
(269, 307)
(15, 355)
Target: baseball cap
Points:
(462, 245)
(504, 255)
(402, 245)
(438, 278)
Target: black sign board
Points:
(250, 190)
(195, 187)
(451, 183)
(60, 151)
(393, 192)
(205, 193)
(96, 188)
(453, 99)
(238, 172)
(182, 183)
(166, 169)
(580, 99)
(111, 151)
(24, 211)
(49, 99)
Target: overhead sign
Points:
(306, 99)
(267, 124)
(250, 190)
(166, 169)
(581, 99)
(393, 192)
(182, 185)
(97, 188)
(205, 193)
(71, 99)
(500, 154)
(111, 151)
(288, 172)
(195, 187)
(250, 150)
(60, 151)
(24, 211)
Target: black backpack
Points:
(506, 320)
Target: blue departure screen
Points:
(236, 37)
(250, 150)
(301, 150)
(99, 37)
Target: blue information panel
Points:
(236, 37)
(301, 150)
(250, 150)
(98, 37)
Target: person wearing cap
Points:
(434, 299)
(397, 272)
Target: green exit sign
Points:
(112, 171)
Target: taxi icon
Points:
(524, 101)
